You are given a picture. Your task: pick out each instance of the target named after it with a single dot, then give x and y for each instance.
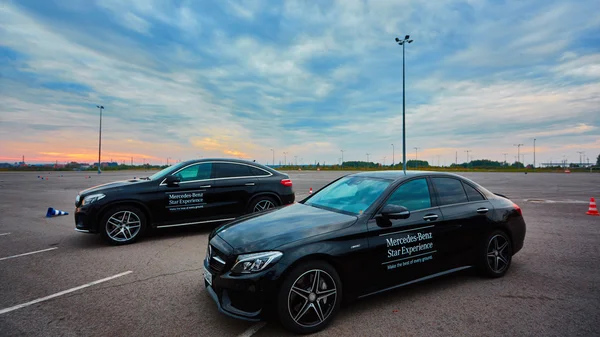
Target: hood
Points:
(266, 231)
(115, 185)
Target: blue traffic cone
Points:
(55, 212)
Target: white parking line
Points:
(24, 254)
(253, 329)
(2, 234)
(4, 311)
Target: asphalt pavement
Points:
(55, 281)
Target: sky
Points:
(301, 80)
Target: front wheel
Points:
(496, 255)
(123, 224)
(309, 297)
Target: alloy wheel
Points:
(263, 205)
(312, 298)
(123, 226)
(498, 253)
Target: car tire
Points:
(300, 292)
(122, 225)
(495, 254)
(261, 203)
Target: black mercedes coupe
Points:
(360, 235)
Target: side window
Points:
(413, 195)
(450, 191)
(472, 193)
(255, 171)
(228, 170)
(195, 172)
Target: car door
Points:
(401, 249)
(234, 185)
(465, 212)
(189, 201)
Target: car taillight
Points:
(518, 209)
(286, 182)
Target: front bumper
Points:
(242, 297)
(86, 219)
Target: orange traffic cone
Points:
(310, 191)
(593, 210)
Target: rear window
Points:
(472, 193)
(450, 191)
(229, 170)
(255, 171)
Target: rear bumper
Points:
(288, 199)
(518, 230)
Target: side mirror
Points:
(173, 181)
(395, 212)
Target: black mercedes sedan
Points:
(188, 193)
(360, 235)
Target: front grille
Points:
(217, 260)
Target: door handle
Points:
(482, 210)
(205, 186)
(249, 184)
(430, 217)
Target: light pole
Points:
(285, 158)
(273, 156)
(580, 153)
(296, 160)
(416, 157)
(505, 158)
(368, 158)
(393, 155)
(100, 137)
(342, 151)
(518, 151)
(467, 151)
(534, 153)
(402, 43)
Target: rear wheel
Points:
(261, 203)
(123, 224)
(496, 254)
(309, 297)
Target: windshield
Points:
(166, 171)
(349, 194)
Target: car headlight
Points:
(77, 198)
(92, 198)
(253, 263)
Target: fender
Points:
(134, 202)
(271, 194)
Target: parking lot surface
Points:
(55, 281)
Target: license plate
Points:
(208, 277)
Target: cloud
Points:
(238, 79)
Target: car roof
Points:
(233, 160)
(400, 175)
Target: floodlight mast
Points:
(402, 43)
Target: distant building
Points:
(107, 164)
